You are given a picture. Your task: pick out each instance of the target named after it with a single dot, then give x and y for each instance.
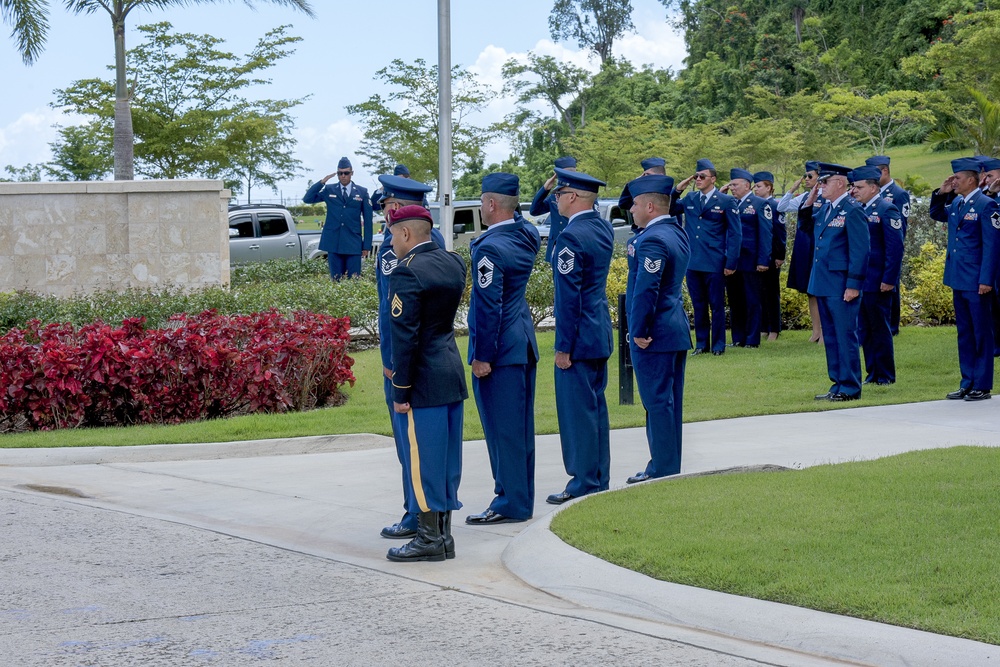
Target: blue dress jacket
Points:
(885, 228)
(581, 260)
(657, 261)
(973, 243)
(714, 231)
(501, 331)
(756, 216)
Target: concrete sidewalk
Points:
(328, 498)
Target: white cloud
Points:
(26, 139)
(655, 44)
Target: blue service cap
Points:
(703, 164)
(650, 184)
(577, 180)
(965, 164)
(988, 163)
(827, 169)
(502, 184)
(877, 161)
(402, 188)
(741, 173)
(869, 172)
(812, 165)
(344, 164)
(653, 162)
(763, 176)
(566, 162)
(400, 170)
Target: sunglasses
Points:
(701, 177)
(344, 173)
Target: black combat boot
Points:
(427, 545)
(449, 541)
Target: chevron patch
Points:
(485, 270)
(651, 266)
(397, 305)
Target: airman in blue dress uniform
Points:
(840, 263)
(402, 171)
(584, 339)
(989, 185)
(900, 198)
(428, 379)
(885, 230)
(770, 281)
(659, 331)
(744, 286)
(395, 193)
(970, 270)
(715, 235)
(503, 352)
(801, 263)
(347, 232)
(544, 202)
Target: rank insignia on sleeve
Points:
(906, 210)
(397, 305)
(389, 262)
(566, 259)
(896, 224)
(767, 212)
(651, 266)
(485, 271)
(995, 220)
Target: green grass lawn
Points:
(917, 160)
(909, 540)
(780, 377)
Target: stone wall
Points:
(61, 238)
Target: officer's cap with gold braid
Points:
(397, 187)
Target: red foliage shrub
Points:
(205, 366)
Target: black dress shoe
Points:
(398, 531)
(638, 477)
(559, 498)
(977, 395)
(823, 397)
(698, 350)
(958, 395)
(490, 517)
(718, 353)
(841, 397)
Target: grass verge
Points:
(907, 540)
(780, 377)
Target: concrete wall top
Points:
(109, 187)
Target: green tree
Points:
(594, 24)
(29, 172)
(556, 83)
(878, 118)
(403, 127)
(611, 149)
(189, 108)
(980, 132)
(30, 25)
(75, 156)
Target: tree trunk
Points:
(124, 138)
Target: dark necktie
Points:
(704, 201)
(343, 188)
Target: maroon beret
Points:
(412, 212)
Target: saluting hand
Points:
(551, 183)
(813, 195)
(795, 185)
(725, 189)
(683, 184)
(948, 185)
(326, 178)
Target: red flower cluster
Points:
(202, 367)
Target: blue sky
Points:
(342, 48)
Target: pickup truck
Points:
(259, 232)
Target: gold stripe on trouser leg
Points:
(418, 487)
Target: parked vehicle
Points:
(260, 232)
(609, 209)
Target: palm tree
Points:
(30, 25)
(980, 133)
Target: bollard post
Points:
(626, 394)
